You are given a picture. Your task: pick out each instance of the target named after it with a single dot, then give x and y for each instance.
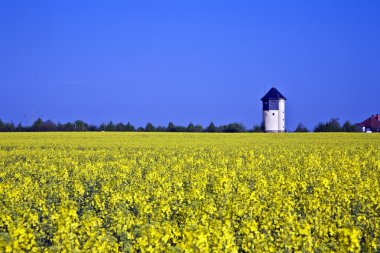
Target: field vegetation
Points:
(187, 192)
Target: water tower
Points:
(274, 111)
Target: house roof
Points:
(372, 122)
(273, 93)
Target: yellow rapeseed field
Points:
(154, 192)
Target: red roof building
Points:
(371, 124)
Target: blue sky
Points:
(182, 61)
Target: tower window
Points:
(273, 114)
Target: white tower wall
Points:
(281, 115)
(271, 120)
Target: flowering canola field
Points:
(154, 192)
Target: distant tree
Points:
(193, 128)
(332, 125)
(59, 126)
(49, 126)
(149, 127)
(233, 128)
(80, 125)
(198, 128)
(9, 127)
(129, 127)
(92, 128)
(180, 129)
(257, 129)
(301, 128)
(2, 126)
(140, 129)
(211, 128)
(348, 127)
(161, 129)
(119, 127)
(19, 128)
(320, 127)
(43, 126)
(190, 127)
(171, 127)
(102, 127)
(37, 125)
(69, 126)
(110, 127)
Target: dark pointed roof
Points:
(273, 93)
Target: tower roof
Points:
(273, 93)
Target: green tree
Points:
(80, 125)
(257, 129)
(149, 127)
(129, 127)
(198, 128)
(301, 128)
(348, 127)
(110, 126)
(233, 128)
(120, 127)
(171, 127)
(19, 128)
(2, 125)
(211, 128)
(190, 127)
(332, 125)
(37, 125)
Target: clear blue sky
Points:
(182, 61)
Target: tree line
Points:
(332, 125)
(80, 126)
(39, 125)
